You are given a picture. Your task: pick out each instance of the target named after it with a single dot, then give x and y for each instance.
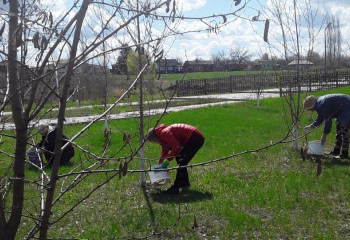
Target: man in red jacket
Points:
(179, 141)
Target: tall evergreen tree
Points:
(121, 66)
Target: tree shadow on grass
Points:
(145, 194)
(183, 197)
(328, 162)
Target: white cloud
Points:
(58, 6)
(204, 45)
(189, 5)
(186, 5)
(332, 8)
(339, 3)
(238, 33)
(341, 9)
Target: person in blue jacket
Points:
(328, 107)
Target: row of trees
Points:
(32, 35)
(238, 57)
(301, 31)
(296, 32)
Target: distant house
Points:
(199, 66)
(169, 66)
(22, 70)
(229, 65)
(60, 67)
(302, 65)
(93, 68)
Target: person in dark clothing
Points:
(179, 141)
(328, 107)
(341, 145)
(47, 145)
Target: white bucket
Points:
(315, 148)
(159, 177)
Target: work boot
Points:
(171, 191)
(335, 152)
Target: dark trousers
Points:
(341, 139)
(187, 153)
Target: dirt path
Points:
(226, 98)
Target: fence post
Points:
(231, 87)
(279, 81)
(310, 83)
(337, 77)
(177, 88)
(254, 83)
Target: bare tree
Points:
(51, 36)
(293, 38)
(240, 54)
(333, 42)
(78, 36)
(220, 60)
(310, 16)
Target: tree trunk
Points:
(12, 225)
(58, 151)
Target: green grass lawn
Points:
(270, 194)
(201, 75)
(193, 75)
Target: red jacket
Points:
(173, 138)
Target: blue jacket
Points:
(332, 106)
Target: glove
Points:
(308, 128)
(165, 164)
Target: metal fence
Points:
(274, 82)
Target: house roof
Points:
(168, 62)
(301, 62)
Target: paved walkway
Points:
(226, 98)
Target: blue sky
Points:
(239, 33)
(204, 45)
(248, 35)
